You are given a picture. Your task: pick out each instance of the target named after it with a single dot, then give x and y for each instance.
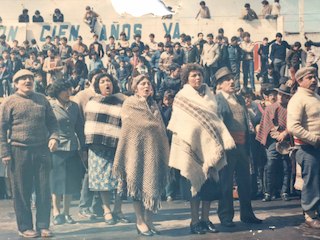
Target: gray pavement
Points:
(282, 221)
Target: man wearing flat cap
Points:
(304, 124)
(272, 133)
(28, 132)
(233, 112)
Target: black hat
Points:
(2, 36)
(284, 89)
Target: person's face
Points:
(176, 73)
(105, 86)
(123, 37)
(64, 96)
(272, 97)
(160, 49)
(15, 44)
(202, 6)
(12, 56)
(32, 56)
(151, 39)
(138, 39)
(210, 39)
(49, 53)
(122, 64)
(234, 43)
(38, 78)
(195, 79)
(176, 47)
(144, 88)
(168, 101)
(283, 99)
(270, 71)
(167, 39)
(79, 40)
(75, 56)
(200, 37)
(111, 40)
(48, 40)
(246, 39)
(22, 52)
(278, 39)
(5, 55)
(265, 42)
(25, 85)
(248, 100)
(228, 86)
(168, 49)
(63, 42)
(309, 82)
(56, 41)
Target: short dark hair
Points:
(57, 87)
(246, 34)
(102, 75)
(93, 73)
(265, 38)
(279, 35)
(210, 35)
(220, 30)
(202, 3)
(186, 69)
(151, 35)
(297, 44)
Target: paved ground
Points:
(282, 221)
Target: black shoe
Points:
(110, 221)
(228, 224)
(121, 218)
(196, 228)
(154, 230)
(85, 213)
(58, 220)
(146, 233)
(69, 219)
(252, 219)
(285, 197)
(267, 198)
(209, 227)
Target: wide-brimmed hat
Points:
(21, 73)
(222, 73)
(284, 89)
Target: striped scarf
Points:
(103, 121)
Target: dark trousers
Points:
(172, 186)
(209, 75)
(276, 162)
(238, 163)
(88, 199)
(30, 167)
(235, 69)
(309, 159)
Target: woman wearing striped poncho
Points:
(199, 142)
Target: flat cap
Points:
(304, 71)
(21, 73)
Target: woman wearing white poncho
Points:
(199, 142)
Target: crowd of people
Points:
(157, 120)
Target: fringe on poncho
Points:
(143, 151)
(200, 138)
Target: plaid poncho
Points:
(102, 120)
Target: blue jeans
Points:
(235, 69)
(248, 72)
(276, 161)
